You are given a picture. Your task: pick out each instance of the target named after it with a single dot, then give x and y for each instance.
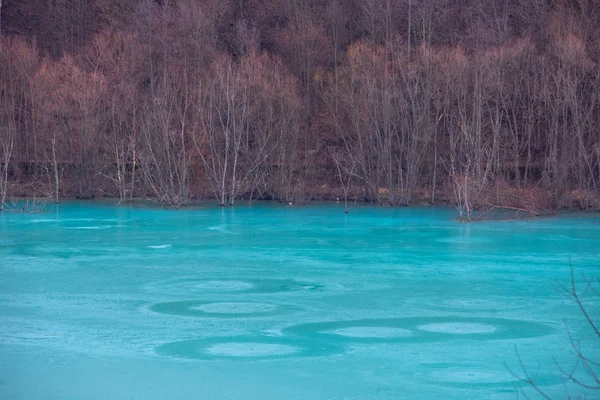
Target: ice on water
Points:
(270, 302)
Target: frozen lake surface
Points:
(271, 302)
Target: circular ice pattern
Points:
(196, 308)
(223, 286)
(468, 304)
(201, 286)
(253, 348)
(419, 329)
(235, 308)
(473, 376)
(458, 328)
(482, 304)
(250, 349)
(371, 332)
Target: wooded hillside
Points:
(483, 103)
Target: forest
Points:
(485, 104)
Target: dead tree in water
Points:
(223, 112)
(13, 62)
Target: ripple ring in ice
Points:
(472, 376)
(420, 329)
(195, 308)
(245, 347)
(469, 304)
(197, 286)
(458, 328)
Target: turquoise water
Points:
(273, 302)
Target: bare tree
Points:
(48, 107)
(223, 112)
(83, 130)
(165, 158)
(391, 101)
(17, 64)
(116, 54)
(583, 375)
(166, 123)
(274, 109)
(8, 119)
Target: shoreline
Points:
(33, 205)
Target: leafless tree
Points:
(485, 104)
(223, 111)
(50, 122)
(17, 65)
(274, 109)
(8, 119)
(583, 375)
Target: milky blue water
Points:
(274, 302)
